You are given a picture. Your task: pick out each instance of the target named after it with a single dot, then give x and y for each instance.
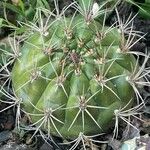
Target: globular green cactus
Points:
(73, 74)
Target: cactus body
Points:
(74, 77)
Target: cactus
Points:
(74, 76)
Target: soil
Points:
(11, 139)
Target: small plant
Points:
(75, 77)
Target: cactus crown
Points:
(73, 75)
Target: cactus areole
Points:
(73, 76)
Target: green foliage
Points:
(145, 11)
(1, 22)
(24, 10)
(144, 7)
